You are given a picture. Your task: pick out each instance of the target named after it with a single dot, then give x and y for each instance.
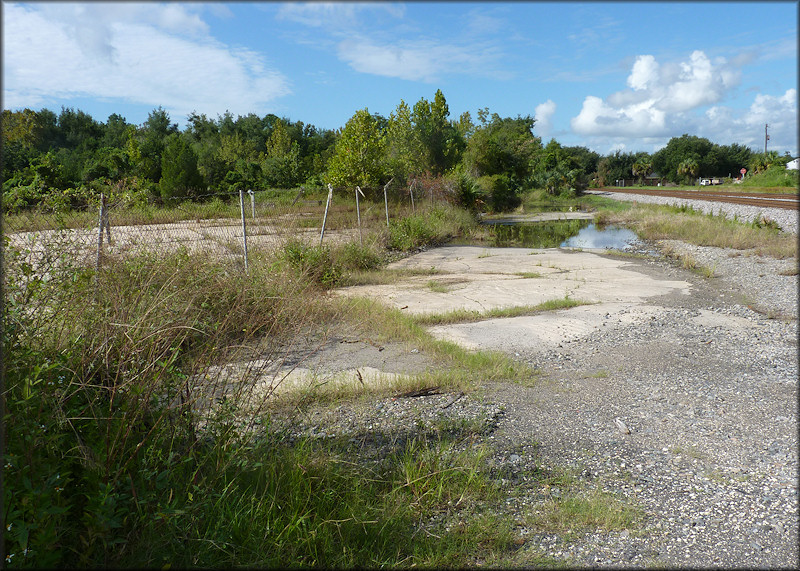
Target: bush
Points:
(466, 192)
(315, 263)
(501, 195)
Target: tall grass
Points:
(125, 446)
(658, 222)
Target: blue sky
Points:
(604, 75)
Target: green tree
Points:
(405, 152)
(179, 175)
(503, 146)
(688, 169)
(153, 135)
(439, 137)
(667, 160)
(281, 165)
(641, 168)
(358, 158)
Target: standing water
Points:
(561, 234)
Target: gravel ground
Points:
(689, 415)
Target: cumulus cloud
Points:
(544, 114)
(659, 96)
(140, 53)
(747, 126)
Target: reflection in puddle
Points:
(535, 234)
(609, 237)
(562, 233)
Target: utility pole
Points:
(766, 138)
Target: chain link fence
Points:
(223, 225)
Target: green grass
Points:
(591, 511)
(468, 316)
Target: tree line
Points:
(61, 161)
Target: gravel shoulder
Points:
(689, 413)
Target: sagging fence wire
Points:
(222, 225)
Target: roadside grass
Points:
(659, 222)
(459, 367)
(438, 287)
(574, 513)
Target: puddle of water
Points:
(609, 237)
(560, 234)
(535, 234)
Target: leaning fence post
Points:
(386, 200)
(411, 191)
(244, 228)
(325, 217)
(358, 211)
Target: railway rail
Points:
(785, 201)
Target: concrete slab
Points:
(479, 279)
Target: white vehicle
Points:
(705, 182)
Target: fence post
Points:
(386, 200)
(358, 211)
(252, 201)
(103, 222)
(411, 191)
(244, 228)
(325, 217)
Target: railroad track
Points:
(785, 201)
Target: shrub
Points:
(501, 196)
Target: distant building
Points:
(793, 164)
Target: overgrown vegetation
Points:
(125, 446)
(115, 457)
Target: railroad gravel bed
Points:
(689, 415)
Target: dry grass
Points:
(654, 222)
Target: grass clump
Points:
(470, 316)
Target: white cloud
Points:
(747, 127)
(660, 97)
(644, 73)
(334, 15)
(140, 53)
(415, 61)
(543, 114)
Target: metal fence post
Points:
(103, 222)
(358, 211)
(325, 217)
(386, 200)
(244, 228)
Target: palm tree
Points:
(689, 169)
(641, 169)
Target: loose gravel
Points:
(690, 415)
